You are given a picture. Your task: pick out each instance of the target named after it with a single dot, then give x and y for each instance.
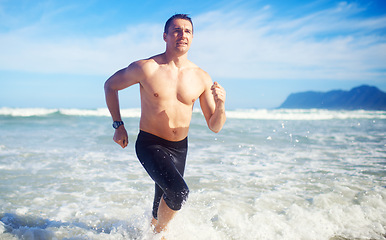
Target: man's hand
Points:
(217, 118)
(219, 94)
(120, 136)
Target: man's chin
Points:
(181, 45)
(184, 49)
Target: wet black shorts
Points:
(164, 161)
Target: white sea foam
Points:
(31, 112)
(26, 112)
(101, 112)
(303, 114)
(65, 178)
(258, 114)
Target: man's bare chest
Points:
(167, 86)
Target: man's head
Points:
(178, 34)
(176, 16)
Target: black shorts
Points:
(164, 161)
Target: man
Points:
(169, 86)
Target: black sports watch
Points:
(116, 124)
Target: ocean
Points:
(269, 174)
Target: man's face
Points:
(179, 36)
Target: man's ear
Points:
(165, 36)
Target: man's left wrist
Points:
(117, 124)
(220, 106)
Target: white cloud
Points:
(329, 44)
(25, 51)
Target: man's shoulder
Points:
(146, 62)
(197, 70)
(146, 65)
(202, 74)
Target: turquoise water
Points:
(269, 174)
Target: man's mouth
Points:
(182, 43)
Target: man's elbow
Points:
(107, 86)
(216, 128)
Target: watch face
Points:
(117, 124)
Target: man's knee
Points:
(175, 199)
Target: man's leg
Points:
(157, 199)
(164, 161)
(153, 221)
(165, 215)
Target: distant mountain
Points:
(362, 97)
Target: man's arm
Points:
(212, 103)
(120, 80)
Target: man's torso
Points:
(168, 94)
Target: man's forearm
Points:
(112, 102)
(217, 120)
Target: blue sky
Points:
(57, 54)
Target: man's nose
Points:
(182, 34)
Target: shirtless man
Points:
(169, 86)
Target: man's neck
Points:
(178, 61)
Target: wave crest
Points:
(258, 114)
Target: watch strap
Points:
(117, 124)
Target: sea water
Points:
(269, 174)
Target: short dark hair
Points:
(176, 16)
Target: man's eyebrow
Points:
(179, 28)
